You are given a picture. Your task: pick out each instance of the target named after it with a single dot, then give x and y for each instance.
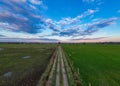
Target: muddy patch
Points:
(8, 74)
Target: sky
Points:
(60, 20)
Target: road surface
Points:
(61, 69)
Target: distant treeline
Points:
(94, 43)
(59, 43)
(27, 43)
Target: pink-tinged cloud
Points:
(98, 39)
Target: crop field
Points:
(95, 64)
(23, 64)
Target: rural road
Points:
(58, 72)
(61, 70)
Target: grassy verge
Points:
(48, 77)
(72, 76)
(53, 74)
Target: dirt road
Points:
(57, 72)
(61, 70)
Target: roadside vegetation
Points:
(95, 64)
(23, 64)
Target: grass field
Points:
(97, 64)
(23, 64)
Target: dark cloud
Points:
(2, 36)
(95, 26)
(89, 28)
(104, 23)
(47, 39)
(28, 40)
(69, 32)
(20, 15)
(51, 25)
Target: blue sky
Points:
(59, 20)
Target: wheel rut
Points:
(58, 71)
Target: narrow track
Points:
(65, 79)
(58, 72)
(63, 69)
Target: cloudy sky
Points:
(59, 20)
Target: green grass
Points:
(25, 72)
(68, 71)
(98, 64)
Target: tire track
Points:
(65, 79)
(58, 71)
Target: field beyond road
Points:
(96, 64)
(23, 64)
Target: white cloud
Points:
(88, 1)
(37, 2)
(18, 1)
(96, 2)
(33, 7)
(91, 11)
(77, 19)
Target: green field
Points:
(23, 64)
(96, 64)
